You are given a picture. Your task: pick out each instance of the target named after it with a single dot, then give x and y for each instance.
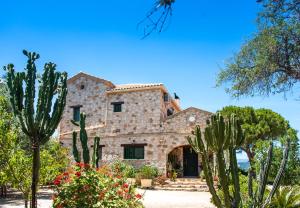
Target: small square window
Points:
(76, 114)
(117, 106)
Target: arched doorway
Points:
(184, 161)
(190, 162)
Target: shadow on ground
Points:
(15, 198)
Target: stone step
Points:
(180, 189)
(186, 185)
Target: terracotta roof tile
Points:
(135, 86)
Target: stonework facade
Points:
(134, 120)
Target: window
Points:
(117, 106)
(166, 97)
(76, 113)
(134, 151)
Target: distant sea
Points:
(244, 164)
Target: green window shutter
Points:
(132, 152)
(117, 107)
(139, 153)
(76, 113)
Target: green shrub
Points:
(148, 172)
(130, 172)
(87, 187)
(127, 169)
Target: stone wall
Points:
(140, 113)
(92, 98)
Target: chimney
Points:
(177, 99)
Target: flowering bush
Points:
(83, 186)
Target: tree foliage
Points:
(258, 124)
(269, 62)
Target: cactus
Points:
(258, 198)
(37, 123)
(96, 155)
(75, 150)
(84, 144)
(221, 136)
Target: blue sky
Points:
(101, 38)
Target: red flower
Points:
(126, 190)
(78, 174)
(116, 185)
(138, 196)
(125, 185)
(59, 177)
(66, 174)
(56, 182)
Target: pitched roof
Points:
(189, 109)
(135, 86)
(96, 79)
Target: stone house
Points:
(138, 123)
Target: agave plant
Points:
(286, 197)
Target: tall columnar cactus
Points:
(39, 122)
(221, 136)
(84, 144)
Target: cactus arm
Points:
(210, 182)
(30, 92)
(279, 174)
(250, 184)
(235, 176)
(75, 150)
(264, 173)
(97, 152)
(95, 160)
(199, 147)
(84, 140)
(221, 165)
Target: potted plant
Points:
(147, 173)
(130, 174)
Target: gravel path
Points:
(152, 199)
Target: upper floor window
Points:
(117, 106)
(76, 113)
(166, 97)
